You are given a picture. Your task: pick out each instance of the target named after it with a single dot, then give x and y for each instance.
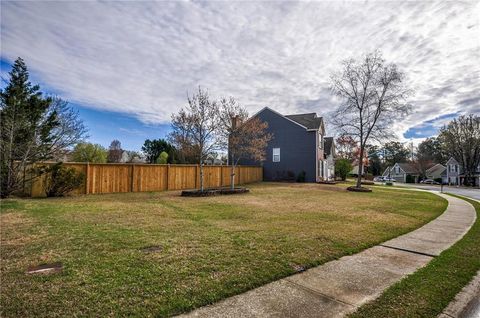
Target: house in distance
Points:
(297, 150)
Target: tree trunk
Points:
(232, 178)
(201, 175)
(360, 167)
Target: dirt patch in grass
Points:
(211, 248)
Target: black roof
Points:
(310, 120)
(328, 145)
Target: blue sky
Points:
(127, 66)
(104, 126)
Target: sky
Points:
(127, 66)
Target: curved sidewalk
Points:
(337, 288)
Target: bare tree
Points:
(373, 95)
(461, 139)
(115, 151)
(242, 137)
(195, 128)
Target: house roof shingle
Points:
(309, 120)
(408, 167)
(438, 168)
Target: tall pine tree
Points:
(32, 127)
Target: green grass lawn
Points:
(212, 247)
(428, 291)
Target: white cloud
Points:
(141, 58)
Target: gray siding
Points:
(297, 149)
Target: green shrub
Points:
(389, 183)
(342, 168)
(301, 177)
(60, 180)
(162, 158)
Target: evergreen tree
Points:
(33, 127)
(153, 148)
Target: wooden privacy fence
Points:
(112, 178)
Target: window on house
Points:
(320, 140)
(276, 154)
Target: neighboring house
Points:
(455, 175)
(329, 152)
(215, 161)
(125, 157)
(402, 172)
(133, 157)
(355, 165)
(63, 156)
(452, 172)
(436, 172)
(297, 147)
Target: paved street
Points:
(472, 193)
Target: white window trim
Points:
(274, 154)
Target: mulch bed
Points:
(362, 189)
(213, 192)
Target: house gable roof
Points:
(278, 114)
(438, 168)
(452, 161)
(308, 121)
(407, 167)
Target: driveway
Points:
(473, 193)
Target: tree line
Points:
(459, 139)
(37, 128)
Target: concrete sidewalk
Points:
(339, 287)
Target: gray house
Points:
(437, 172)
(330, 157)
(402, 172)
(454, 174)
(297, 147)
(451, 174)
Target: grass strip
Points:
(429, 290)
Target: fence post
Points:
(168, 177)
(221, 176)
(132, 177)
(87, 183)
(196, 173)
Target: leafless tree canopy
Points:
(115, 151)
(242, 137)
(373, 95)
(195, 129)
